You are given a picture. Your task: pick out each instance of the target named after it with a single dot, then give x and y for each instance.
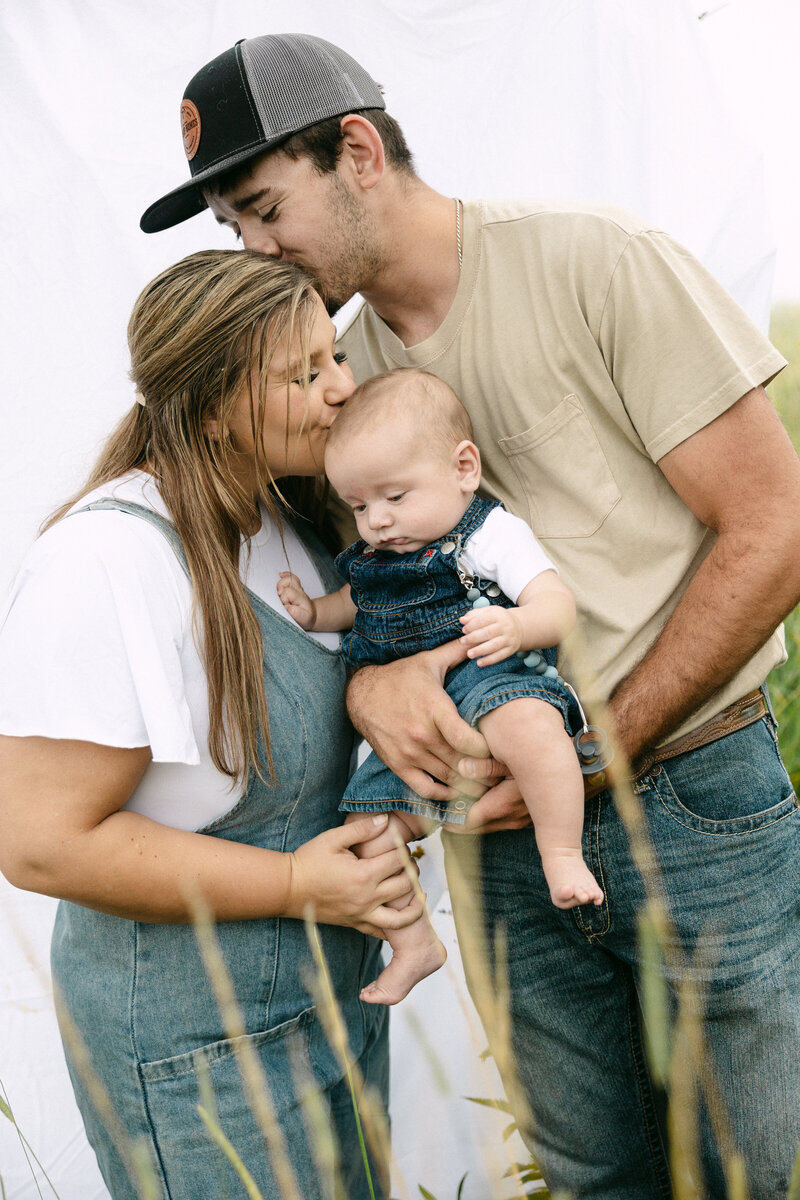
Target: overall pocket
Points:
(414, 588)
(192, 1164)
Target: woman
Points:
(168, 732)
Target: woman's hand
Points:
(412, 724)
(67, 834)
(341, 889)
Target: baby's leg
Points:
(528, 735)
(416, 950)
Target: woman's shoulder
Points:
(94, 637)
(95, 556)
(110, 534)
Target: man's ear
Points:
(362, 150)
(467, 459)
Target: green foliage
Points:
(430, 1196)
(785, 388)
(784, 683)
(794, 1182)
(525, 1172)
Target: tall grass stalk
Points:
(27, 1148)
(365, 1104)
(255, 1081)
(655, 997)
(208, 1102)
(320, 1131)
(794, 1182)
(631, 813)
(488, 987)
(683, 1114)
(134, 1155)
(217, 1136)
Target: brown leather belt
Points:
(750, 708)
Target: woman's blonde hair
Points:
(203, 330)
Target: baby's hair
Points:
(425, 402)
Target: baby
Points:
(437, 562)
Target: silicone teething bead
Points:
(594, 752)
(473, 594)
(550, 673)
(533, 659)
(481, 602)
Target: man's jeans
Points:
(725, 827)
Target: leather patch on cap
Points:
(190, 128)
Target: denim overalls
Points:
(412, 602)
(143, 1004)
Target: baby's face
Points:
(402, 493)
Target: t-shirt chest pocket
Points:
(561, 473)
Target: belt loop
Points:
(768, 702)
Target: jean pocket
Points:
(735, 785)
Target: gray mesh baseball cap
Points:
(255, 96)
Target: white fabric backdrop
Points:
(607, 99)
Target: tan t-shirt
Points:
(585, 346)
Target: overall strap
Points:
(319, 556)
(153, 518)
(473, 518)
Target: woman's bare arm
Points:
(64, 835)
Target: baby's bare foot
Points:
(406, 969)
(570, 881)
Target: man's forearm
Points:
(740, 594)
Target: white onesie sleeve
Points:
(505, 549)
(93, 638)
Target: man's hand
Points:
(491, 634)
(501, 808)
(409, 720)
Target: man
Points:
(617, 396)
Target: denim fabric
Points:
(410, 602)
(144, 1006)
(725, 827)
(475, 691)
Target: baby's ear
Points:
(467, 459)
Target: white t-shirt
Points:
(505, 549)
(96, 644)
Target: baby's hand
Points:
(293, 598)
(491, 634)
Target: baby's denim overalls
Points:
(412, 602)
(144, 1006)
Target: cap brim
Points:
(187, 200)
